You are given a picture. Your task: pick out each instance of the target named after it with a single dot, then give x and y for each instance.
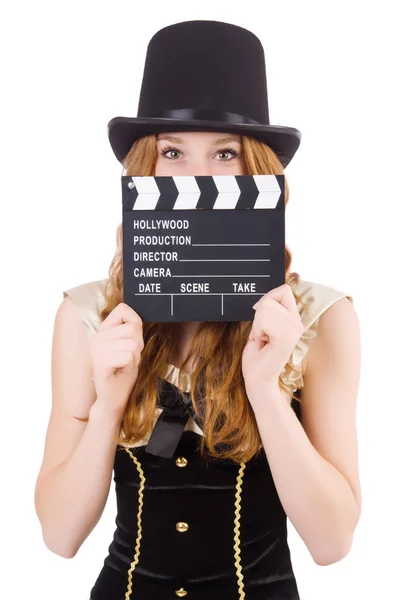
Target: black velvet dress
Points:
(193, 527)
(190, 528)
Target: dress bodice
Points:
(196, 527)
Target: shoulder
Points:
(89, 300)
(336, 339)
(317, 298)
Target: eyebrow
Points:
(177, 140)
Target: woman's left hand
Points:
(276, 328)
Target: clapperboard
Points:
(201, 248)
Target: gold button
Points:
(181, 461)
(181, 526)
(181, 592)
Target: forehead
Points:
(215, 137)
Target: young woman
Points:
(261, 413)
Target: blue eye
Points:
(165, 151)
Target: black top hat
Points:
(204, 76)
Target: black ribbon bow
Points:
(171, 422)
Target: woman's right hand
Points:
(116, 350)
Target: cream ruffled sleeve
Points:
(318, 298)
(89, 299)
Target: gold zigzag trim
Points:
(237, 504)
(139, 522)
(237, 549)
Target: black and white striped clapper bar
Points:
(201, 248)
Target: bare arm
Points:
(71, 497)
(75, 476)
(315, 463)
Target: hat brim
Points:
(124, 131)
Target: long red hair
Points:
(229, 422)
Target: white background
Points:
(67, 69)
